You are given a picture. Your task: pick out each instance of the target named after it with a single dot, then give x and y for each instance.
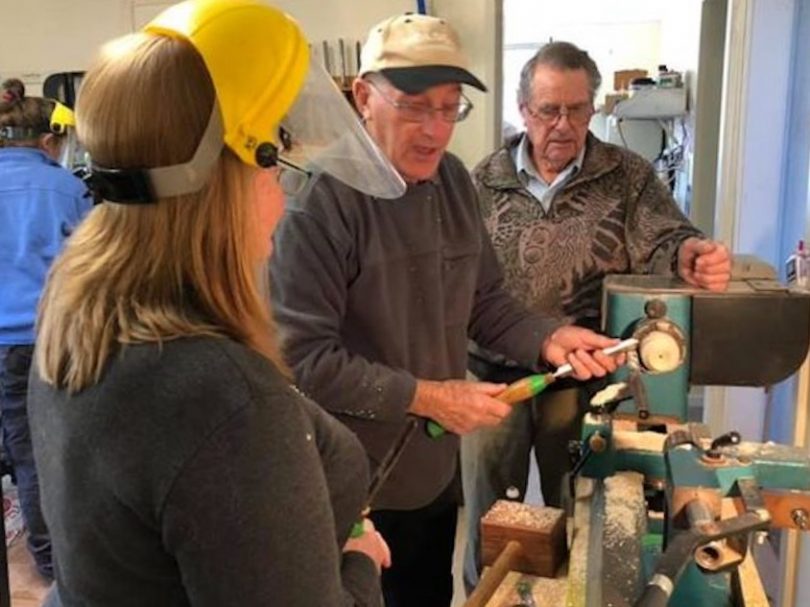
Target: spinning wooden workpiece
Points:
(518, 537)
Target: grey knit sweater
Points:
(193, 474)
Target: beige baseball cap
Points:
(415, 52)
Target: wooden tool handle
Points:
(493, 577)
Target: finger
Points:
(581, 372)
(713, 259)
(386, 560)
(713, 272)
(481, 421)
(609, 363)
(590, 363)
(700, 246)
(381, 554)
(711, 280)
(715, 285)
(713, 276)
(487, 388)
(594, 341)
(716, 268)
(687, 251)
(500, 408)
(554, 355)
(688, 276)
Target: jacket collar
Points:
(498, 170)
(29, 154)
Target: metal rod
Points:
(389, 461)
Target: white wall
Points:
(634, 34)
(752, 160)
(476, 21)
(47, 36)
(54, 35)
(630, 34)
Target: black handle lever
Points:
(724, 440)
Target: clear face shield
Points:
(324, 134)
(320, 133)
(71, 153)
(63, 123)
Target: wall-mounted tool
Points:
(344, 76)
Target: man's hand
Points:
(582, 348)
(704, 263)
(460, 406)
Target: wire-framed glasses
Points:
(291, 177)
(420, 112)
(549, 114)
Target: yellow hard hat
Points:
(257, 57)
(265, 82)
(62, 118)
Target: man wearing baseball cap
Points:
(377, 298)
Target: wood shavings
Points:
(639, 441)
(608, 394)
(625, 508)
(504, 512)
(546, 592)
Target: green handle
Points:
(434, 429)
(358, 529)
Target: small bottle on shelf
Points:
(797, 269)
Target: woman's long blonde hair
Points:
(151, 272)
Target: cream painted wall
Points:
(49, 36)
(477, 22)
(45, 36)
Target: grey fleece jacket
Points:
(193, 474)
(371, 294)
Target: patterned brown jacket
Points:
(615, 216)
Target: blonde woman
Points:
(178, 465)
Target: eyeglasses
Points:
(420, 112)
(291, 177)
(578, 114)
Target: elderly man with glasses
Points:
(564, 210)
(377, 298)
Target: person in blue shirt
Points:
(40, 205)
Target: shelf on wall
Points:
(653, 103)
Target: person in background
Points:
(564, 210)
(11, 90)
(40, 205)
(377, 297)
(178, 464)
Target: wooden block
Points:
(539, 530)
